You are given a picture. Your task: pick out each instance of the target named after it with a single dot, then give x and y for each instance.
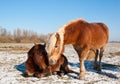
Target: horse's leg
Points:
(96, 57)
(100, 57)
(30, 68)
(82, 55)
(45, 72)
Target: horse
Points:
(84, 36)
(37, 63)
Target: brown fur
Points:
(37, 63)
(83, 36)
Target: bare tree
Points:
(3, 32)
(17, 35)
(21, 36)
(25, 33)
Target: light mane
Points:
(61, 30)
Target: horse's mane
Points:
(74, 21)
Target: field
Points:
(13, 57)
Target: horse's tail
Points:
(90, 55)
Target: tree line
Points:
(21, 36)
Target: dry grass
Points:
(115, 53)
(17, 48)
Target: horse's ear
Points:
(44, 44)
(58, 39)
(57, 36)
(49, 35)
(35, 43)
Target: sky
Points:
(46, 16)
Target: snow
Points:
(12, 65)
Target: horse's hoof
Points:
(95, 68)
(62, 74)
(99, 70)
(54, 73)
(81, 77)
(25, 74)
(37, 75)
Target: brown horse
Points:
(37, 63)
(83, 36)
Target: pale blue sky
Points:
(46, 16)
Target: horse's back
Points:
(94, 35)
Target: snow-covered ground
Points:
(12, 63)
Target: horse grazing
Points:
(83, 36)
(37, 63)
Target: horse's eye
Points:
(56, 46)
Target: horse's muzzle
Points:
(52, 61)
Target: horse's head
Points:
(40, 56)
(54, 48)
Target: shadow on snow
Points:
(88, 65)
(105, 66)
